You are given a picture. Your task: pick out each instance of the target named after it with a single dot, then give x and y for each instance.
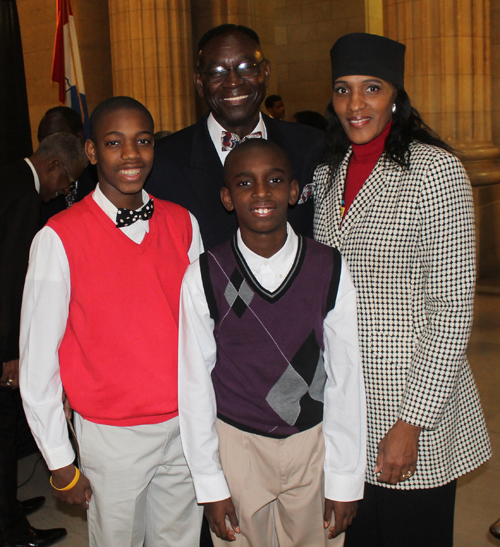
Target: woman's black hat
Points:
(365, 54)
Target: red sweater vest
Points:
(118, 357)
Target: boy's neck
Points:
(122, 201)
(264, 244)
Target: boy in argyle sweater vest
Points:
(271, 397)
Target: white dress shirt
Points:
(44, 316)
(344, 424)
(35, 174)
(215, 129)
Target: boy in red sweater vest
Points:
(100, 319)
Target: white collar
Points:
(109, 208)
(215, 129)
(35, 174)
(281, 262)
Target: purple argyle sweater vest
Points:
(269, 377)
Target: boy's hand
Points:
(216, 513)
(80, 494)
(345, 511)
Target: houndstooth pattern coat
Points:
(409, 240)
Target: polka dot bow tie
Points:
(231, 140)
(126, 217)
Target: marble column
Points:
(152, 58)
(448, 78)
(374, 16)
(448, 74)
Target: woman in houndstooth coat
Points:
(398, 205)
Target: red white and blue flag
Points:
(66, 66)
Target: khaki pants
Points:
(142, 489)
(277, 487)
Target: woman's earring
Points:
(394, 108)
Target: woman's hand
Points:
(398, 453)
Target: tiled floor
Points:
(478, 496)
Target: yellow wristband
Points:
(71, 484)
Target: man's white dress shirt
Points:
(36, 178)
(215, 129)
(344, 424)
(44, 315)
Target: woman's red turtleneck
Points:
(363, 160)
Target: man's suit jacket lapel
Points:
(11, 189)
(274, 134)
(206, 178)
(203, 153)
(19, 222)
(299, 216)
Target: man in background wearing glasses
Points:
(24, 186)
(232, 76)
(62, 119)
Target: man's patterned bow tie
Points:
(231, 140)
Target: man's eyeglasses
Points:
(218, 74)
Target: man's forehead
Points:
(233, 46)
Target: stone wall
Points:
(296, 36)
(37, 19)
(305, 32)
(487, 200)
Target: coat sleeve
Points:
(43, 324)
(197, 403)
(446, 255)
(344, 422)
(18, 226)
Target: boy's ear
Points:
(294, 192)
(90, 151)
(225, 196)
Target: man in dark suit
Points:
(24, 185)
(62, 119)
(232, 76)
